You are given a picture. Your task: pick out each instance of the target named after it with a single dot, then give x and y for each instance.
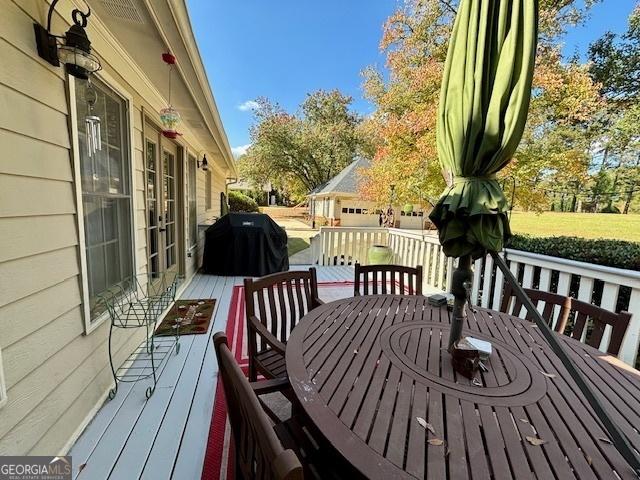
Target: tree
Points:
(615, 66)
(403, 128)
(299, 152)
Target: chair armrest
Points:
(317, 301)
(262, 387)
(267, 335)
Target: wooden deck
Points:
(166, 436)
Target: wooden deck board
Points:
(166, 436)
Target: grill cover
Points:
(245, 244)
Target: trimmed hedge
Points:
(611, 253)
(239, 202)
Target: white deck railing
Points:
(604, 286)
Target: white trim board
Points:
(3, 385)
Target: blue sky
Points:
(283, 49)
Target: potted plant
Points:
(380, 255)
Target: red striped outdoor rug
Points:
(218, 460)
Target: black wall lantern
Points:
(204, 165)
(74, 50)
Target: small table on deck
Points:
(366, 368)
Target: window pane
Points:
(94, 233)
(116, 185)
(96, 270)
(110, 219)
(114, 122)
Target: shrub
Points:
(238, 202)
(611, 253)
(610, 209)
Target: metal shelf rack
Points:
(138, 302)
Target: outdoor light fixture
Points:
(74, 51)
(204, 165)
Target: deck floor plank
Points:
(194, 403)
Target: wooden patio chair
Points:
(584, 313)
(601, 318)
(393, 279)
(259, 452)
(275, 304)
(551, 300)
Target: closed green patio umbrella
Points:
(483, 109)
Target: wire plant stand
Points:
(138, 302)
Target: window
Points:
(207, 191)
(191, 201)
(106, 191)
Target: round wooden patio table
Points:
(374, 376)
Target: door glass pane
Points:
(191, 202)
(169, 164)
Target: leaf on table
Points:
(524, 420)
(548, 375)
(346, 327)
(435, 442)
(426, 425)
(605, 440)
(476, 382)
(355, 351)
(447, 452)
(535, 441)
(589, 460)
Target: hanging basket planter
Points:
(408, 209)
(169, 116)
(170, 119)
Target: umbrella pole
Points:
(462, 278)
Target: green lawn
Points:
(586, 225)
(295, 244)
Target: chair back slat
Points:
(589, 320)
(259, 453)
(579, 324)
(384, 279)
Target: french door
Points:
(163, 203)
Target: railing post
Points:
(629, 348)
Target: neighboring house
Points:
(338, 203)
(73, 224)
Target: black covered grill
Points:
(245, 244)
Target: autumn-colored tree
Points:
(403, 128)
(299, 152)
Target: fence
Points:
(611, 288)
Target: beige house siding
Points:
(55, 373)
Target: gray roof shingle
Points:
(344, 182)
